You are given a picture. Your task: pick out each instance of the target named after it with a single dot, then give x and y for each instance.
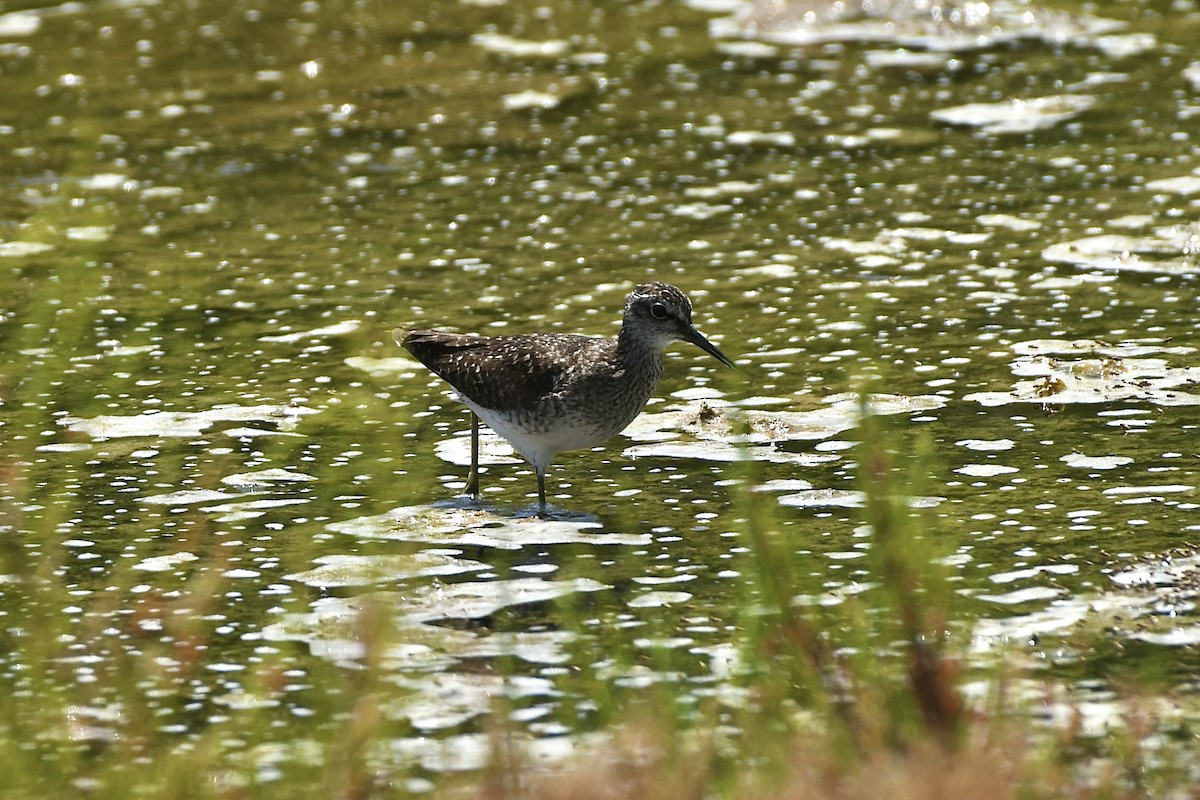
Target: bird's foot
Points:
(472, 489)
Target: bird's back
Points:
(507, 372)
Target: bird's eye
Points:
(658, 311)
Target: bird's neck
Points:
(639, 354)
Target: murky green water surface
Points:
(212, 214)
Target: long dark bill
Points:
(695, 337)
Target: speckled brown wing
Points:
(500, 372)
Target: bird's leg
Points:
(473, 476)
(541, 476)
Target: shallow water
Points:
(212, 215)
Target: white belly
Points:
(539, 443)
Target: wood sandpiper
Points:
(550, 392)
